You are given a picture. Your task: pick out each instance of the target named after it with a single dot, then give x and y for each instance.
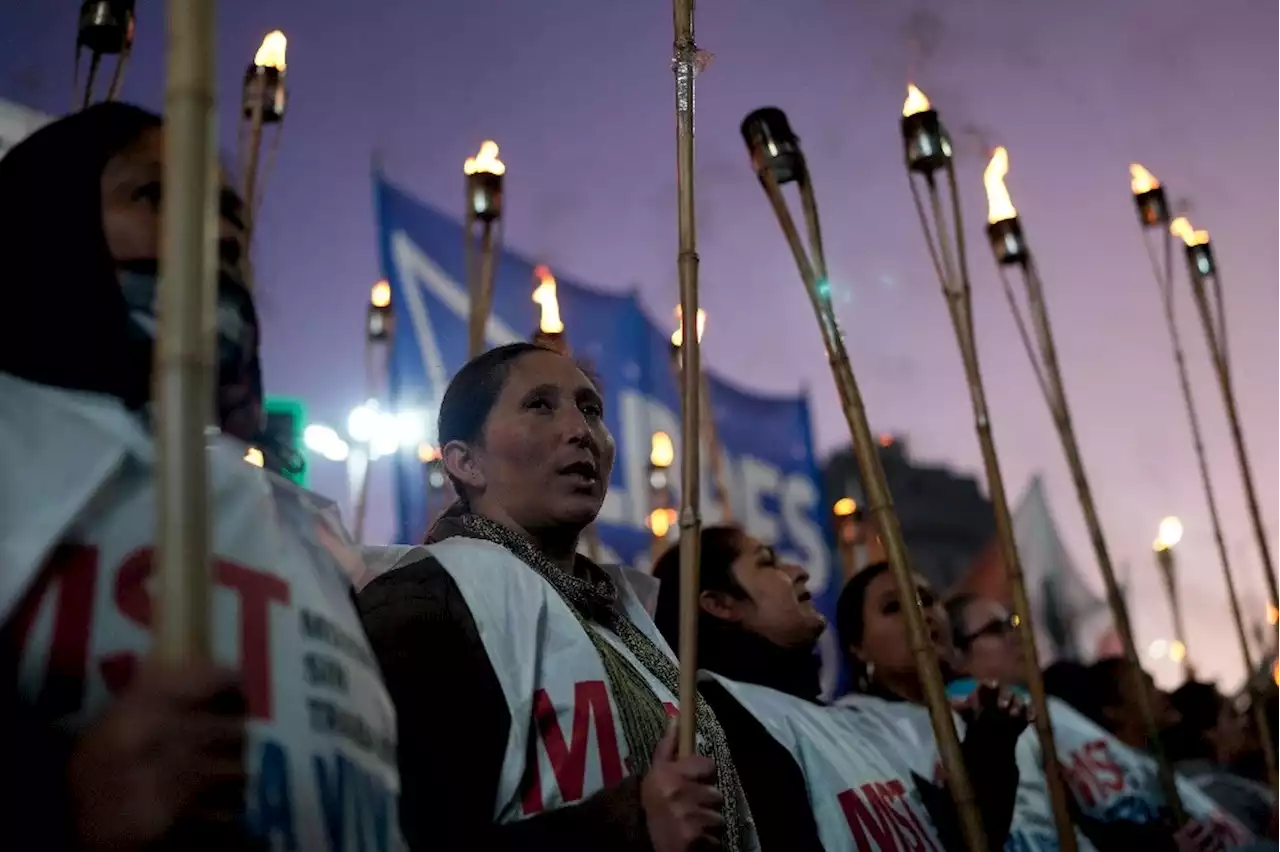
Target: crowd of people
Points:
(490, 688)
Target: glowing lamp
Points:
(264, 90)
(106, 26)
(1004, 231)
(923, 137)
(660, 521)
(773, 146)
(1148, 196)
(484, 173)
(1199, 249)
(844, 507)
(379, 319)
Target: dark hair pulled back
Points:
(721, 546)
(850, 621)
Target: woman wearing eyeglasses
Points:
(1118, 803)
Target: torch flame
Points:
(916, 101)
(380, 296)
(1141, 180)
(999, 204)
(544, 295)
(1181, 227)
(485, 161)
(660, 521)
(677, 336)
(662, 453)
(844, 507)
(271, 53)
(1273, 614)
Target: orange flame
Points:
(844, 507)
(544, 295)
(1181, 227)
(428, 453)
(999, 204)
(271, 53)
(1141, 180)
(916, 101)
(380, 296)
(486, 160)
(677, 336)
(662, 452)
(660, 521)
(1275, 672)
(886, 440)
(1273, 614)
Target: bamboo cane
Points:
(953, 275)
(685, 68)
(1061, 414)
(483, 304)
(185, 345)
(813, 276)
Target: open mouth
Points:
(804, 596)
(584, 471)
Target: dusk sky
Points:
(579, 94)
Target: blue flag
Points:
(770, 468)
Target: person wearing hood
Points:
(104, 749)
(526, 678)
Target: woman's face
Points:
(546, 455)
(990, 650)
(131, 193)
(778, 606)
(884, 634)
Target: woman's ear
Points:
(719, 605)
(462, 465)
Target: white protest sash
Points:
(1111, 781)
(562, 712)
(1032, 829)
(77, 603)
(862, 798)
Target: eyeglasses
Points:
(996, 628)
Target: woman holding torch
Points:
(527, 678)
(109, 750)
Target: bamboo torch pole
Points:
(185, 346)
(1010, 247)
(105, 29)
(1206, 288)
(928, 150)
(1152, 208)
(685, 67)
(777, 159)
(714, 448)
(484, 173)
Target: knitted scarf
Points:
(644, 719)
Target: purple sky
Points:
(579, 94)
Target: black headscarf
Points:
(64, 320)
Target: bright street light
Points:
(325, 442)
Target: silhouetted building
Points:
(946, 519)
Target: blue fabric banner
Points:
(770, 466)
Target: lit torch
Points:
(262, 103)
(1168, 536)
(1010, 248)
(662, 514)
(707, 413)
(927, 152)
(550, 327)
(106, 29)
(1153, 212)
(1148, 196)
(484, 175)
(777, 160)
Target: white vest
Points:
(1111, 781)
(862, 798)
(562, 712)
(1032, 828)
(77, 523)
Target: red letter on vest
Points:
(862, 822)
(569, 761)
(256, 591)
